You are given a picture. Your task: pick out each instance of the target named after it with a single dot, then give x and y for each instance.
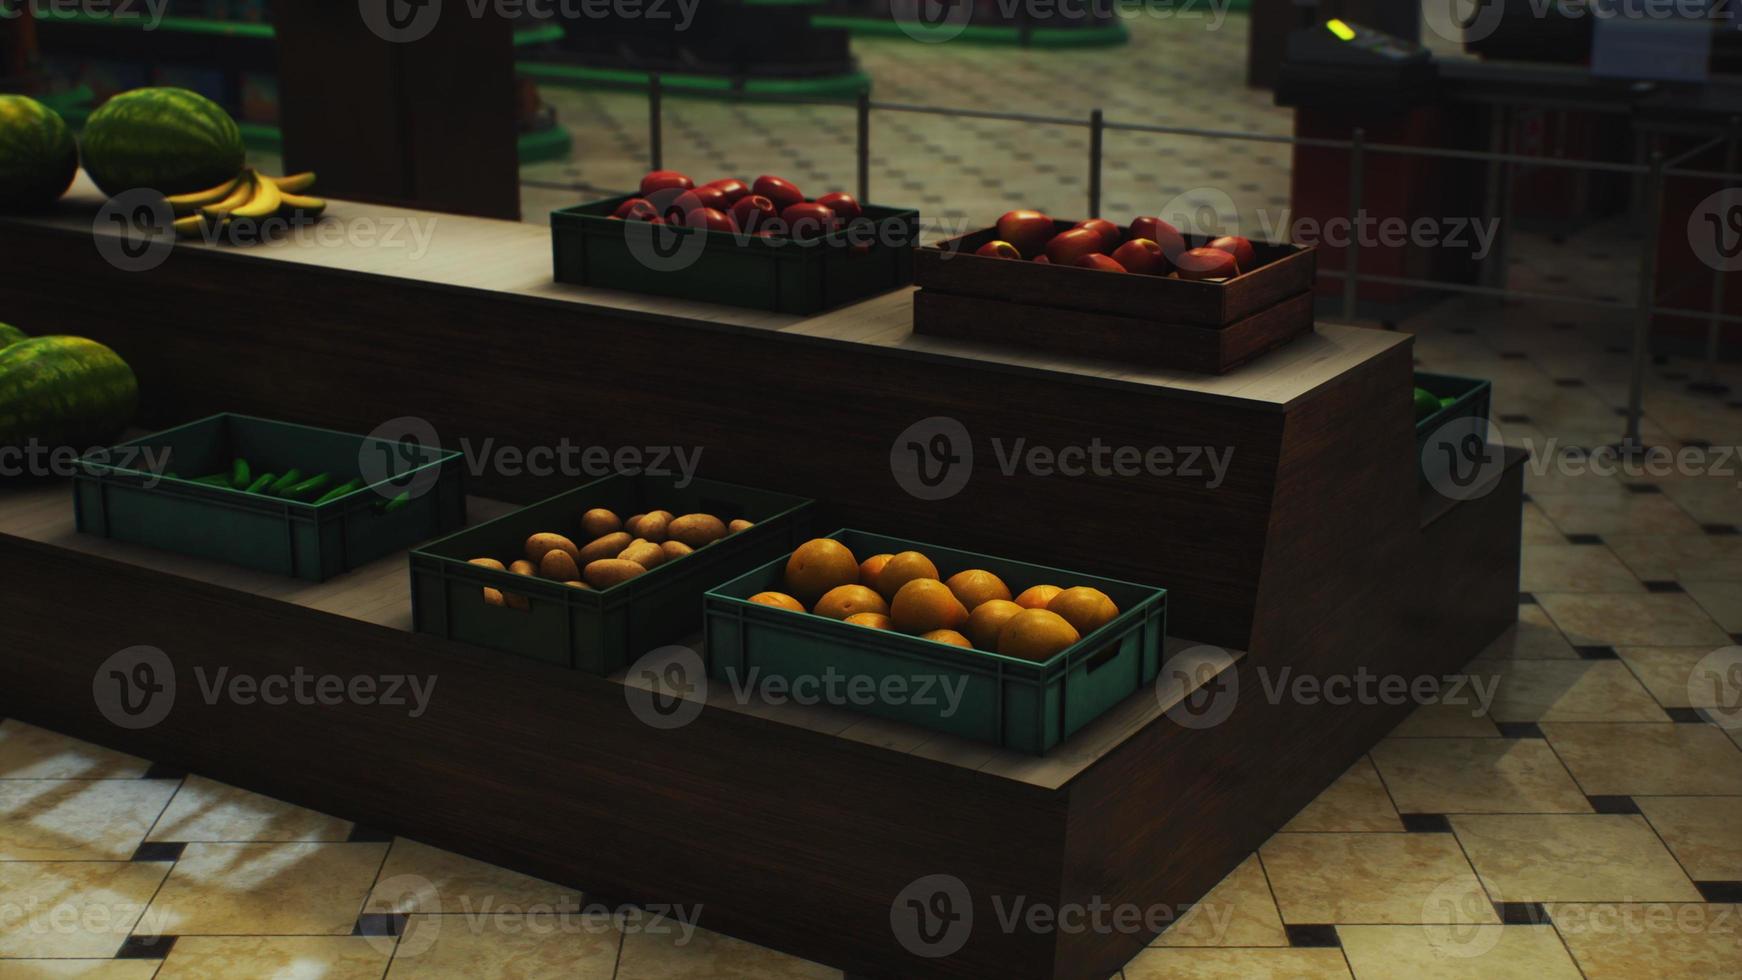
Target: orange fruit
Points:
(846, 600)
(779, 600)
(902, 569)
(1036, 634)
(951, 637)
(1038, 596)
(987, 619)
(976, 585)
(819, 565)
(1084, 608)
(876, 621)
(871, 567)
(925, 604)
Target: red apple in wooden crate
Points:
(1161, 233)
(1110, 233)
(999, 250)
(1028, 230)
(1095, 260)
(1240, 248)
(782, 192)
(1067, 247)
(1206, 263)
(665, 180)
(1144, 257)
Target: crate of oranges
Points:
(999, 651)
(594, 577)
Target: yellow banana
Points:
(297, 206)
(243, 192)
(189, 226)
(263, 204)
(295, 183)
(190, 203)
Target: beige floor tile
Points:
(29, 752)
(78, 819)
(267, 889)
(1616, 512)
(1566, 690)
(1708, 501)
(1627, 942)
(1683, 677)
(710, 956)
(1680, 557)
(73, 908)
(207, 810)
(278, 957)
(1632, 759)
(1571, 858)
(1456, 953)
(1574, 568)
(1703, 832)
(77, 969)
(1632, 620)
(1447, 721)
(1538, 529)
(580, 947)
(1237, 964)
(421, 878)
(1535, 637)
(1477, 775)
(1373, 878)
(1239, 911)
(1357, 801)
(1721, 600)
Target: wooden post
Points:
(417, 112)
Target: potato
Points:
(543, 543)
(493, 597)
(675, 549)
(578, 585)
(607, 572)
(558, 565)
(605, 547)
(598, 522)
(650, 526)
(488, 563)
(739, 525)
(516, 601)
(697, 530)
(644, 553)
(523, 568)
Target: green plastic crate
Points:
(283, 537)
(1473, 397)
(592, 249)
(600, 632)
(1015, 703)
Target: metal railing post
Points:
(864, 145)
(1097, 136)
(1651, 209)
(1711, 384)
(1357, 199)
(655, 121)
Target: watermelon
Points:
(170, 140)
(38, 157)
(10, 335)
(64, 391)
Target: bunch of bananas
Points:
(250, 196)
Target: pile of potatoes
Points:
(617, 550)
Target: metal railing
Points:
(1654, 172)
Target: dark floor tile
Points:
(145, 948)
(1512, 355)
(1595, 653)
(1720, 529)
(1569, 382)
(1313, 936)
(1660, 585)
(1720, 892)
(1613, 804)
(159, 851)
(1643, 488)
(361, 834)
(1521, 913)
(1526, 599)
(1518, 729)
(1584, 539)
(1685, 716)
(1426, 823)
(1515, 419)
(380, 924)
(1697, 443)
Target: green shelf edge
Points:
(1110, 35)
(716, 86)
(526, 37)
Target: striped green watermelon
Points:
(168, 139)
(10, 335)
(38, 157)
(64, 391)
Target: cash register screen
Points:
(1652, 40)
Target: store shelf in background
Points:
(708, 86)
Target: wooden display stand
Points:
(796, 828)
